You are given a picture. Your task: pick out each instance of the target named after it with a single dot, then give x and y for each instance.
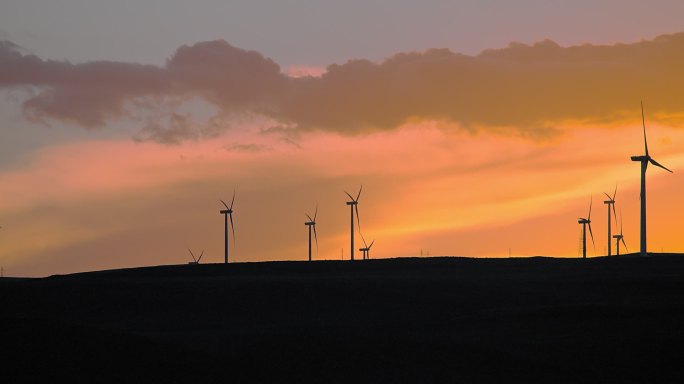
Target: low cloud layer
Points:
(521, 89)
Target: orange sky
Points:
(105, 204)
(458, 155)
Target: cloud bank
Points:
(521, 89)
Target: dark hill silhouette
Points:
(394, 320)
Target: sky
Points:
(477, 128)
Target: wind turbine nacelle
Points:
(225, 211)
(352, 202)
(310, 223)
(639, 158)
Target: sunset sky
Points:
(475, 127)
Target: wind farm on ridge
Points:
(353, 204)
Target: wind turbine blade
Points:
(359, 195)
(614, 193)
(623, 243)
(315, 237)
(232, 201)
(200, 257)
(614, 213)
(192, 254)
(643, 123)
(350, 196)
(232, 227)
(620, 221)
(224, 203)
(315, 213)
(592, 235)
(657, 164)
(590, 203)
(358, 221)
(364, 241)
(371, 244)
(607, 195)
(309, 217)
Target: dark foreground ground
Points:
(378, 321)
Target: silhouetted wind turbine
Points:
(312, 224)
(644, 160)
(226, 213)
(354, 206)
(619, 238)
(366, 249)
(195, 260)
(609, 202)
(584, 223)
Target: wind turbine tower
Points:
(609, 202)
(644, 160)
(354, 206)
(312, 224)
(619, 238)
(366, 250)
(228, 212)
(586, 222)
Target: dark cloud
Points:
(87, 94)
(176, 128)
(521, 89)
(90, 94)
(227, 76)
(526, 87)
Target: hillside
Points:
(396, 320)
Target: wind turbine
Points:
(226, 213)
(312, 224)
(354, 206)
(644, 160)
(366, 249)
(195, 261)
(609, 202)
(619, 238)
(584, 223)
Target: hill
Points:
(395, 320)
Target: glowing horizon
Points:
(402, 213)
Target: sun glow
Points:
(425, 186)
